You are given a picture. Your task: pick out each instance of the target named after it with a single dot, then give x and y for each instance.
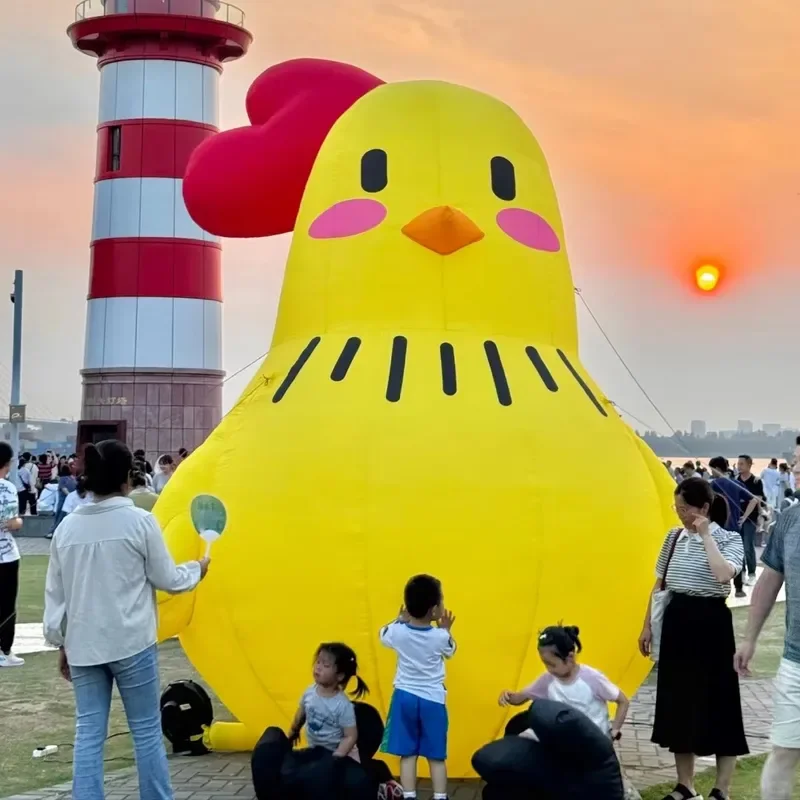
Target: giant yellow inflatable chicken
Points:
(422, 409)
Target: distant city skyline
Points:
(728, 443)
(745, 427)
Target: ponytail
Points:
(344, 658)
(698, 493)
(719, 510)
(361, 689)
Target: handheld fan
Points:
(209, 518)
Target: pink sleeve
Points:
(601, 686)
(539, 688)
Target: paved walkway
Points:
(30, 546)
(227, 776)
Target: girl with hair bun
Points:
(107, 560)
(566, 681)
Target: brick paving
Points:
(227, 776)
(34, 546)
(647, 764)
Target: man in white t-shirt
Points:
(10, 522)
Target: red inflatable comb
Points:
(248, 182)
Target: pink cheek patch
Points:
(348, 218)
(527, 228)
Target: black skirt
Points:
(698, 707)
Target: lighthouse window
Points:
(114, 148)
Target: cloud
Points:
(670, 130)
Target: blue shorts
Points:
(416, 727)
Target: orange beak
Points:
(444, 230)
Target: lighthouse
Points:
(152, 368)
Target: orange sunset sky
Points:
(671, 130)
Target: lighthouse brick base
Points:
(162, 411)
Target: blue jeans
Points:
(57, 519)
(138, 685)
(749, 541)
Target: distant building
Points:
(744, 426)
(697, 427)
(772, 428)
(727, 434)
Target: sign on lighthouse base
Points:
(162, 411)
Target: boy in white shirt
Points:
(417, 724)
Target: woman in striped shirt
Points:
(698, 708)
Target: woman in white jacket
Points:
(106, 562)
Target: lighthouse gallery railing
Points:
(210, 9)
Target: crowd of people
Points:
(755, 502)
(52, 484)
(58, 486)
(108, 557)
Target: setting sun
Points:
(707, 277)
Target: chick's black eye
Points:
(504, 184)
(374, 171)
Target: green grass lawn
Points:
(30, 600)
(770, 643)
(746, 783)
(41, 705)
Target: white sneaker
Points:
(751, 580)
(10, 660)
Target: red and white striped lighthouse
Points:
(152, 367)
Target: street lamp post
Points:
(16, 412)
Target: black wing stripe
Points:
(498, 373)
(544, 373)
(582, 383)
(342, 365)
(397, 368)
(448, 357)
(294, 370)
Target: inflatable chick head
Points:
(452, 233)
(421, 409)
